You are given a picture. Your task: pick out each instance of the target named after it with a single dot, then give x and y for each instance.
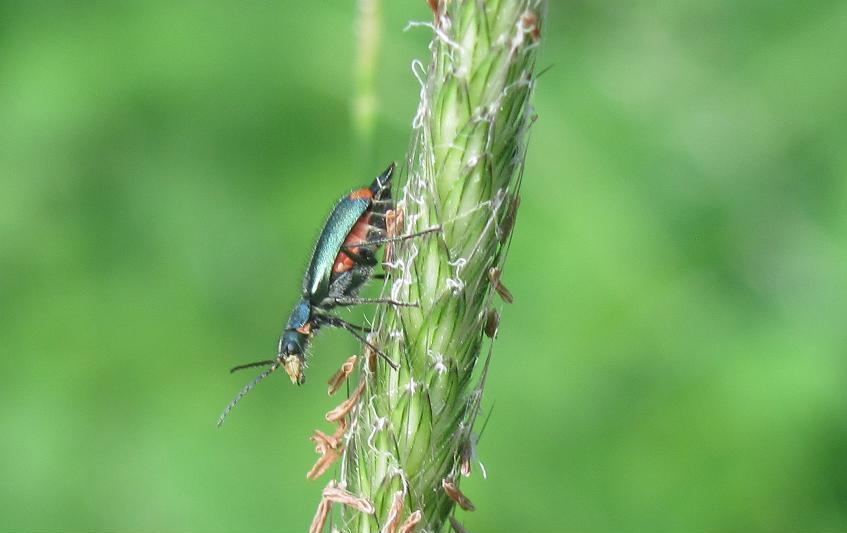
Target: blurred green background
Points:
(676, 356)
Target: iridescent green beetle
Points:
(343, 260)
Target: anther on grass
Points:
(393, 226)
(409, 525)
(456, 526)
(341, 375)
(466, 458)
(370, 358)
(492, 323)
(344, 407)
(505, 230)
(326, 460)
(494, 277)
(394, 513)
(324, 442)
(340, 431)
(529, 23)
(456, 495)
(321, 515)
(329, 447)
(335, 494)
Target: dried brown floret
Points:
(335, 494)
(492, 323)
(509, 219)
(323, 463)
(347, 405)
(411, 522)
(393, 518)
(494, 277)
(320, 516)
(457, 527)
(341, 375)
(456, 495)
(529, 24)
(465, 458)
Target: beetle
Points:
(343, 260)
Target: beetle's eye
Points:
(292, 348)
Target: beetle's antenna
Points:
(247, 388)
(251, 365)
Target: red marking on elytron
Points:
(306, 329)
(361, 194)
(359, 233)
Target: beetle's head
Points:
(291, 354)
(293, 342)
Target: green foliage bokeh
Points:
(674, 359)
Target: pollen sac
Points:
(393, 227)
(341, 375)
(494, 277)
(509, 219)
(465, 458)
(456, 495)
(492, 323)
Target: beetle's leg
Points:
(353, 329)
(323, 320)
(362, 301)
(367, 259)
(427, 231)
(384, 201)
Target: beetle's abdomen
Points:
(358, 234)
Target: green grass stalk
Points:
(363, 105)
(411, 437)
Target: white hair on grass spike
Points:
(438, 361)
(443, 37)
(419, 72)
(378, 425)
(456, 284)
